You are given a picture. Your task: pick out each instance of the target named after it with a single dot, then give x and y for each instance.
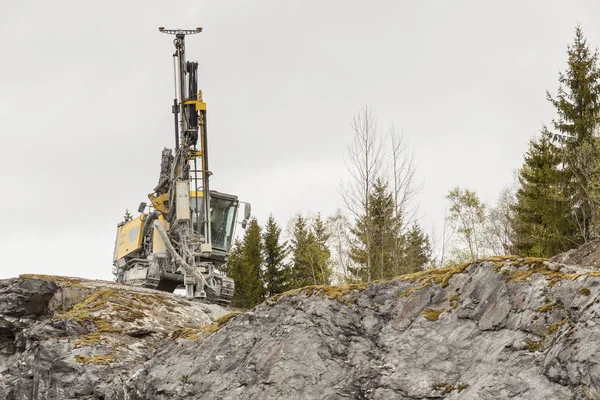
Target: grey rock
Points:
(497, 329)
(68, 338)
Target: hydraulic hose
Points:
(178, 259)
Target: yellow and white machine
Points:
(183, 237)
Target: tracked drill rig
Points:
(183, 237)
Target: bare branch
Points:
(364, 164)
(404, 168)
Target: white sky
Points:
(85, 105)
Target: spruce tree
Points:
(276, 272)
(311, 258)
(321, 255)
(245, 268)
(385, 235)
(417, 252)
(543, 224)
(233, 259)
(577, 105)
(301, 274)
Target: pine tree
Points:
(233, 259)
(311, 264)
(578, 108)
(321, 255)
(276, 273)
(245, 268)
(543, 225)
(417, 252)
(385, 234)
(301, 273)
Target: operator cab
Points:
(223, 213)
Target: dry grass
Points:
(207, 330)
(101, 359)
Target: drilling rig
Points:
(184, 236)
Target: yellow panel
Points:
(159, 202)
(129, 238)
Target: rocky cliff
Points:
(497, 329)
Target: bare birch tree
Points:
(500, 223)
(365, 153)
(340, 242)
(404, 187)
(403, 175)
(441, 248)
(468, 218)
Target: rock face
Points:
(67, 338)
(503, 328)
(587, 254)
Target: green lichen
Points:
(331, 292)
(534, 345)
(431, 314)
(453, 300)
(127, 306)
(502, 258)
(556, 325)
(500, 261)
(545, 308)
(432, 276)
(537, 266)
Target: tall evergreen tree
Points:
(234, 257)
(385, 234)
(542, 225)
(311, 263)
(321, 255)
(417, 252)
(577, 106)
(300, 272)
(245, 268)
(276, 272)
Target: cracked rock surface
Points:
(68, 338)
(503, 328)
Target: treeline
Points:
(554, 205)
(264, 262)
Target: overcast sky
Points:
(85, 105)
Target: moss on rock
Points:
(432, 315)
(101, 359)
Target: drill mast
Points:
(190, 128)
